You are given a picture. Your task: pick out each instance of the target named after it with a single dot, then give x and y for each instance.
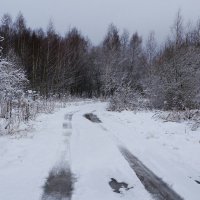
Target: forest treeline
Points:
(123, 67)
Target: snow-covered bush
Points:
(193, 116)
(26, 109)
(12, 83)
(125, 98)
(16, 104)
(175, 85)
(12, 80)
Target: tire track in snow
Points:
(59, 184)
(153, 184)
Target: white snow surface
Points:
(171, 150)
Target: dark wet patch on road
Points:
(68, 117)
(198, 182)
(59, 185)
(152, 183)
(67, 125)
(92, 118)
(118, 186)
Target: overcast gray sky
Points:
(92, 17)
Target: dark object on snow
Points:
(116, 186)
(197, 181)
(92, 118)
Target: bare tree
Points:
(178, 29)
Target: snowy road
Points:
(96, 159)
(39, 163)
(99, 144)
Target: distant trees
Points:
(54, 64)
(175, 81)
(123, 68)
(1, 48)
(6, 32)
(110, 61)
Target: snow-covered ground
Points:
(170, 150)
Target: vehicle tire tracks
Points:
(152, 183)
(60, 182)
